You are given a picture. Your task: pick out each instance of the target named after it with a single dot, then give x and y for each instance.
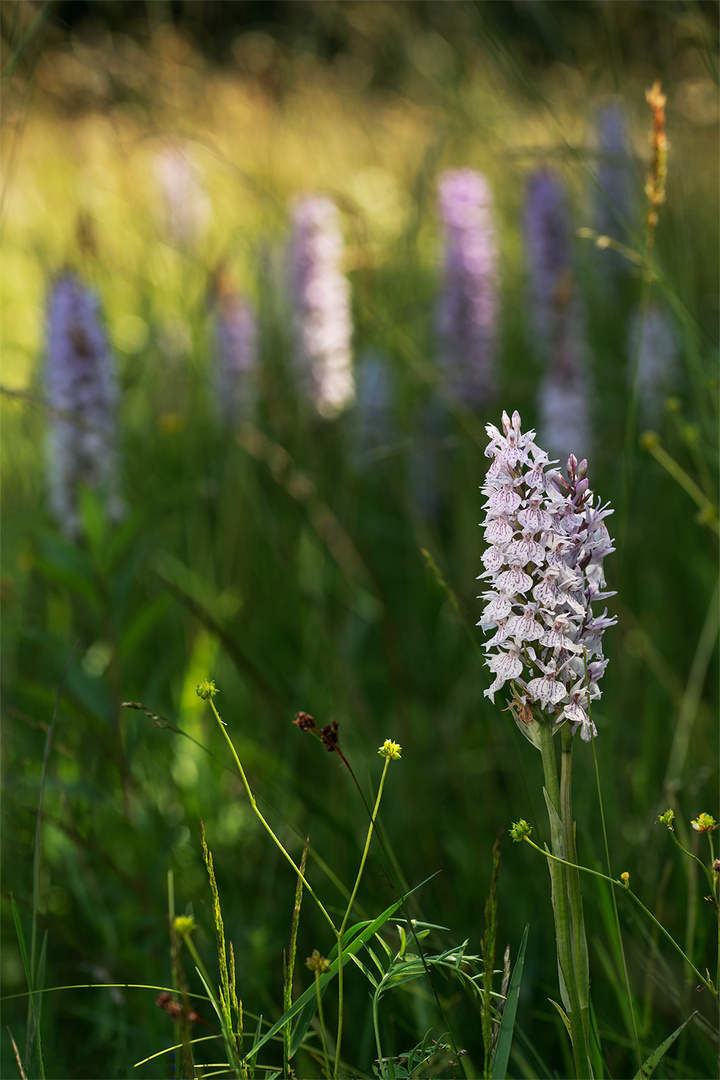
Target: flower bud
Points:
(206, 689)
(390, 749)
(519, 830)
(318, 963)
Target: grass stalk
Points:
(268, 828)
(289, 961)
(618, 930)
(321, 1020)
(346, 916)
(488, 952)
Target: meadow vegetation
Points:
(328, 566)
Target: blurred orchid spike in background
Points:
(544, 565)
(320, 295)
(467, 312)
(563, 397)
(613, 194)
(548, 249)
(82, 395)
(557, 321)
(185, 205)
(655, 359)
(236, 351)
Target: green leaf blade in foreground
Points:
(507, 1023)
(354, 946)
(652, 1062)
(311, 992)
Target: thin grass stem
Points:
(623, 959)
(613, 881)
(265, 824)
(347, 916)
(321, 1018)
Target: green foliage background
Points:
(274, 566)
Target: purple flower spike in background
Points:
(613, 194)
(654, 348)
(320, 292)
(468, 303)
(563, 397)
(549, 258)
(556, 319)
(614, 174)
(236, 361)
(544, 567)
(82, 395)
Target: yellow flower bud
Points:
(390, 749)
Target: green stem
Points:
(707, 983)
(265, 824)
(580, 952)
(346, 916)
(561, 905)
(376, 1027)
(700, 863)
(322, 1022)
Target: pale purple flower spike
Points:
(654, 348)
(544, 567)
(322, 326)
(468, 303)
(82, 395)
(185, 205)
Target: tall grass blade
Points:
(29, 977)
(507, 1024)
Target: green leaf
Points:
(563, 1016)
(377, 963)
(365, 970)
(651, 1063)
(303, 1022)
(507, 1024)
(309, 996)
(354, 946)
